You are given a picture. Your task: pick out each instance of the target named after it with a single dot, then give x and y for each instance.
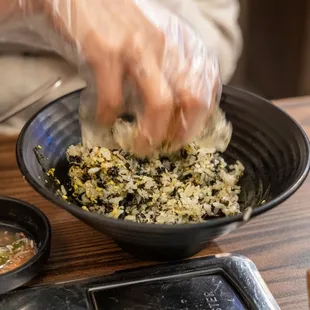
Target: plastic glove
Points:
(142, 59)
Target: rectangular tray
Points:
(215, 282)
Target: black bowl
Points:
(271, 145)
(23, 217)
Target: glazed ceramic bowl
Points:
(272, 146)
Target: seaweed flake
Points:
(113, 172)
(75, 160)
(85, 177)
(174, 192)
(108, 208)
(143, 161)
(206, 217)
(127, 165)
(184, 153)
(101, 183)
(214, 192)
(127, 200)
(163, 159)
(172, 166)
(160, 170)
(157, 179)
(122, 216)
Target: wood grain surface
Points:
(278, 242)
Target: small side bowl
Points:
(22, 216)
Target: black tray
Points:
(215, 282)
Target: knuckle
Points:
(113, 46)
(108, 102)
(161, 37)
(190, 102)
(114, 49)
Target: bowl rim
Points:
(78, 212)
(44, 246)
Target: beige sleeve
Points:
(217, 23)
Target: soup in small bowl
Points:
(16, 248)
(25, 240)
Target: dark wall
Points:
(274, 60)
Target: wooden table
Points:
(278, 242)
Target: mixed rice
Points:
(193, 185)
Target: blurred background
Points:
(276, 53)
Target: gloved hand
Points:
(143, 45)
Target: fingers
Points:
(175, 111)
(192, 116)
(157, 99)
(194, 113)
(187, 121)
(109, 76)
(195, 90)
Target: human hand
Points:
(159, 55)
